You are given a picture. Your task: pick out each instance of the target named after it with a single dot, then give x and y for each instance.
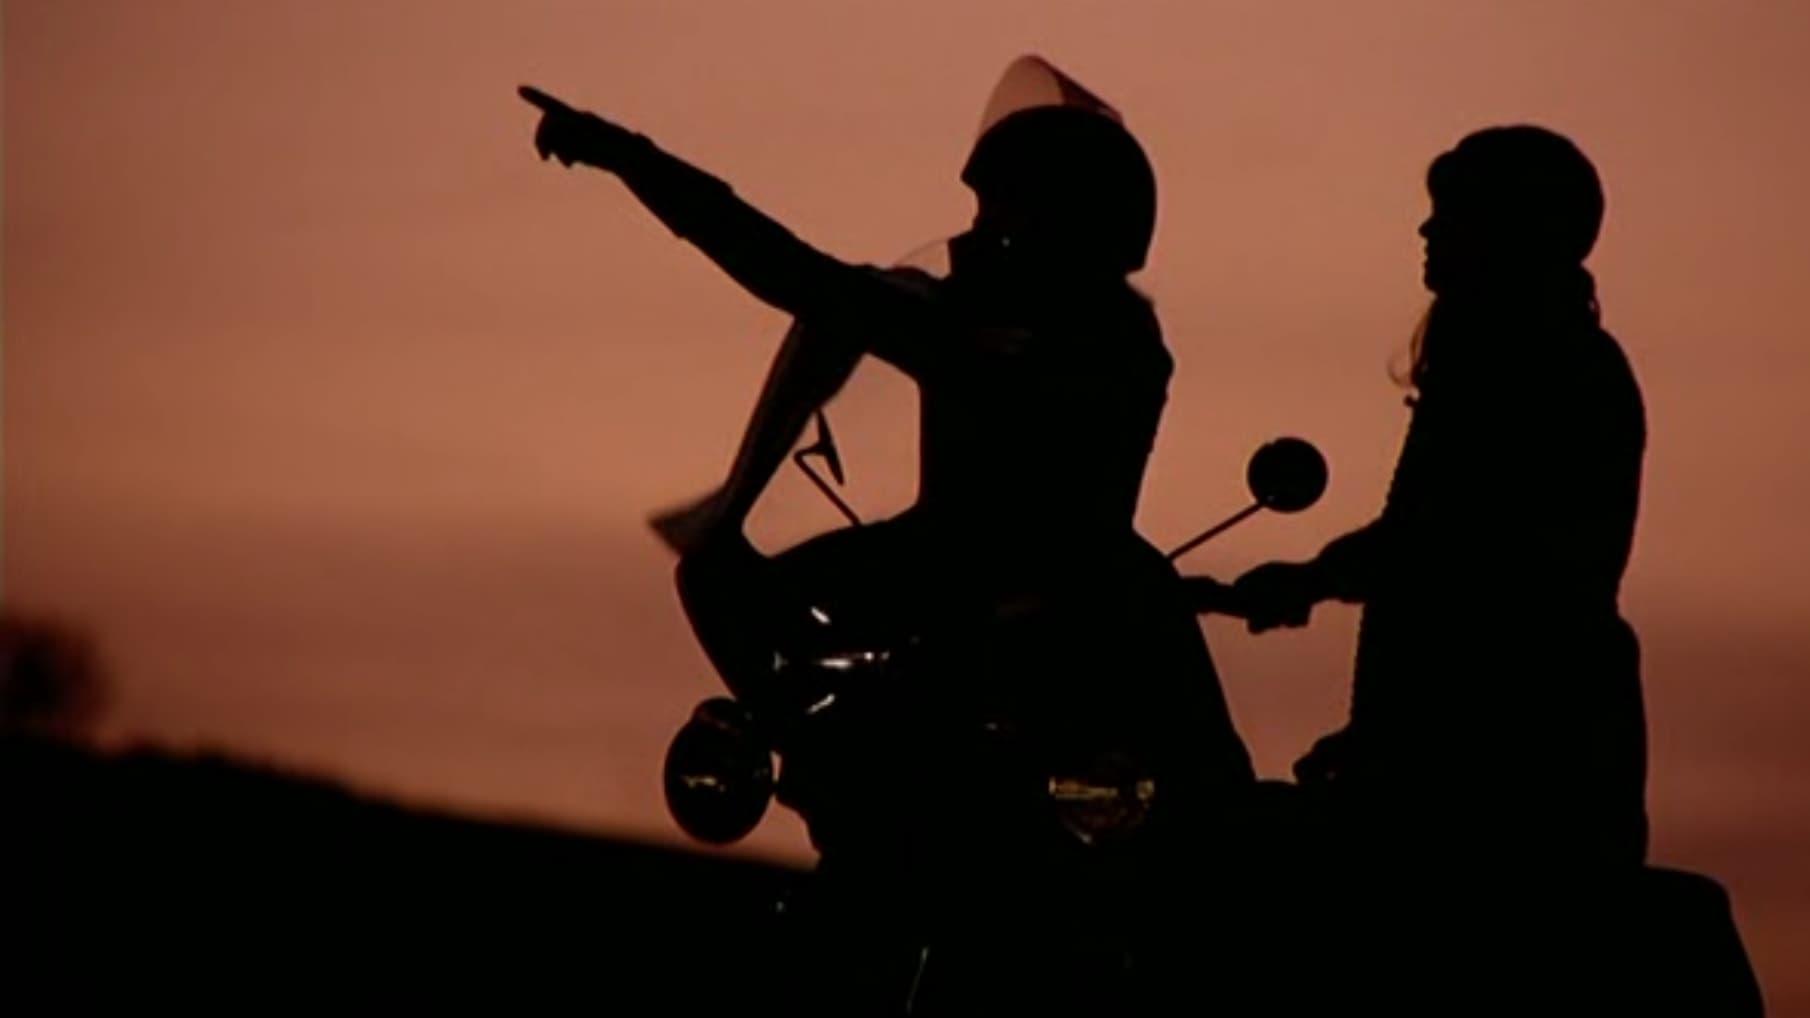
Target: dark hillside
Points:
(182, 879)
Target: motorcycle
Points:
(827, 666)
(980, 752)
(945, 799)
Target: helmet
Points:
(1062, 154)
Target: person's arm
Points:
(1283, 594)
(1344, 570)
(850, 302)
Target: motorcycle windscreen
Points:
(873, 423)
(1032, 82)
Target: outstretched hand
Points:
(571, 135)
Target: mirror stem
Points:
(802, 459)
(1214, 531)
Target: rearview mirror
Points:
(1286, 475)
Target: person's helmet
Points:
(1051, 147)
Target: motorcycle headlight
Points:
(718, 774)
(1106, 800)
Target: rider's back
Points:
(1039, 431)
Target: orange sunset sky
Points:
(334, 414)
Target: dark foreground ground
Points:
(150, 882)
(163, 880)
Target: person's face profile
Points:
(995, 247)
(1442, 248)
(1463, 242)
(974, 254)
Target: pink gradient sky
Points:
(334, 413)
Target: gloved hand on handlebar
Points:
(1278, 594)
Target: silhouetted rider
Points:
(1042, 376)
(1042, 372)
(1497, 708)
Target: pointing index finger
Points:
(541, 100)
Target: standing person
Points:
(1479, 824)
(1497, 706)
